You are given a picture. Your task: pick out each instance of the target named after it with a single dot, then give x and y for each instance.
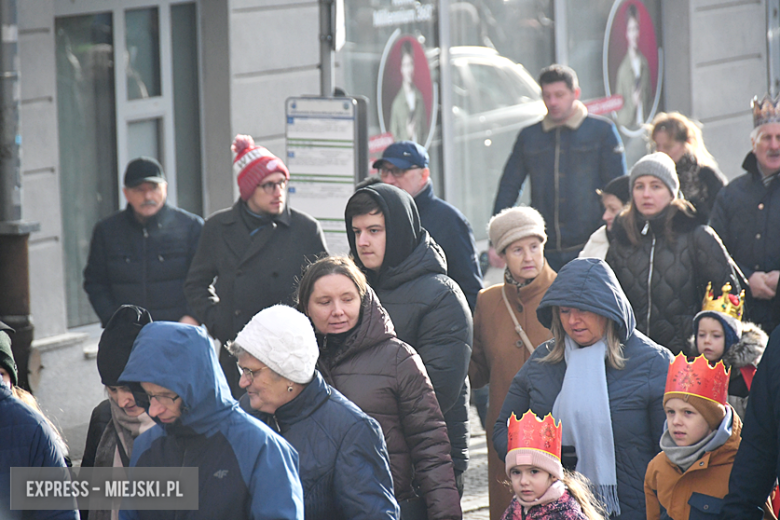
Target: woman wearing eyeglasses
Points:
(117, 421)
(254, 250)
(343, 463)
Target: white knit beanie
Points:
(660, 166)
(513, 224)
(283, 339)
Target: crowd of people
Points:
(303, 385)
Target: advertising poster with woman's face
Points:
(633, 64)
(407, 95)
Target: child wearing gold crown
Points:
(543, 490)
(720, 335)
(690, 477)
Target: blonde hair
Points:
(578, 487)
(611, 338)
(683, 130)
(30, 400)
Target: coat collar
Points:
(237, 236)
(425, 196)
(537, 286)
(234, 216)
(315, 394)
(574, 121)
(155, 220)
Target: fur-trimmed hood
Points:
(747, 351)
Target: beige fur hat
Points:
(512, 224)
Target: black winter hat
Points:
(6, 354)
(143, 169)
(117, 339)
(619, 188)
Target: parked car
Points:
(493, 99)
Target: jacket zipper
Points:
(556, 180)
(649, 277)
(143, 267)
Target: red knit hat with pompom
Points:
(253, 164)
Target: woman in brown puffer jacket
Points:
(363, 359)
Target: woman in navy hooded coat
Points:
(635, 371)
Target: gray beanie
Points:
(513, 224)
(282, 338)
(660, 166)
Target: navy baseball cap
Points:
(143, 169)
(404, 155)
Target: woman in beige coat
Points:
(506, 329)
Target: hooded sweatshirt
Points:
(635, 391)
(245, 470)
(428, 309)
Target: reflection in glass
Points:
(186, 103)
(143, 139)
(142, 53)
(86, 120)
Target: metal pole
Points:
(14, 261)
(445, 89)
(326, 48)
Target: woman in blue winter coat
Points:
(602, 378)
(343, 462)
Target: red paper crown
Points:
(698, 378)
(533, 433)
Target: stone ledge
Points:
(68, 339)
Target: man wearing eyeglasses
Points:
(250, 255)
(404, 164)
(141, 255)
(244, 470)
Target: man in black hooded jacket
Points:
(407, 270)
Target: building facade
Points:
(103, 81)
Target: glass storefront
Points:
(391, 56)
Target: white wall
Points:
(274, 54)
(40, 166)
(716, 53)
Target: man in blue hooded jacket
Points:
(245, 470)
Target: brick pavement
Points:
(475, 493)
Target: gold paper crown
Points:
(727, 303)
(765, 111)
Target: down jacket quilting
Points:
(25, 441)
(142, 264)
(387, 380)
(344, 467)
(635, 391)
(677, 276)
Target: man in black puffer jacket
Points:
(407, 270)
(141, 255)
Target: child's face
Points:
(710, 339)
(530, 482)
(686, 425)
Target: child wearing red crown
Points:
(690, 477)
(720, 335)
(543, 489)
